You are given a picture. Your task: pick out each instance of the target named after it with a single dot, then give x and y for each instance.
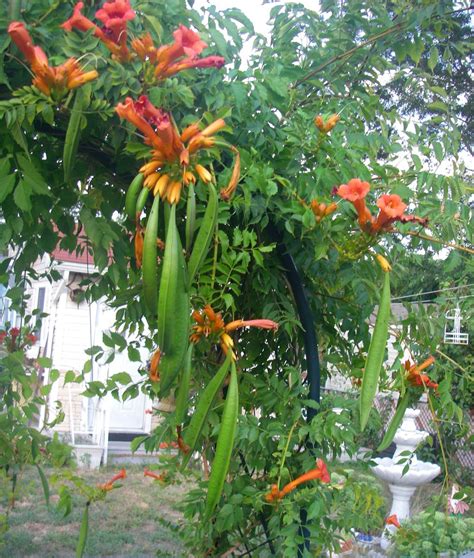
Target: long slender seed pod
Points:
(225, 445)
(44, 483)
(173, 307)
(376, 353)
(204, 236)
(84, 531)
(132, 196)
(141, 200)
(149, 263)
(182, 396)
(71, 142)
(395, 422)
(204, 405)
(190, 217)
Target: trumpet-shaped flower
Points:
(109, 484)
(174, 155)
(416, 378)
(326, 126)
(391, 208)
(320, 472)
(154, 373)
(182, 54)
(114, 17)
(355, 191)
(210, 323)
(321, 210)
(52, 81)
(393, 520)
(157, 476)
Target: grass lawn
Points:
(138, 519)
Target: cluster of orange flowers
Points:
(168, 60)
(416, 378)
(173, 160)
(321, 209)
(114, 17)
(54, 81)
(320, 472)
(180, 55)
(122, 474)
(325, 126)
(210, 323)
(391, 208)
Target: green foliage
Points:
(346, 60)
(430, 534)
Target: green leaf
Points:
(433, 59)
(22, 196)
(7, 183)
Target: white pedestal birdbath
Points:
(402, 486)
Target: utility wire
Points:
(432, 292)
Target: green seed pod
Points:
(132, 196)
(225, 445)
(373, 364)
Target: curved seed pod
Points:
(203, 239)
(183, 390)
(132, 196)
(81, 543)
(395, 423)
(193, 431)
(141, 200)
(149, 262)
(73, 132)
(190, 217)
(44, 483)
(173, 307)
(373, 364)
(225, 445)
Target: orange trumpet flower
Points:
(322, 210)
(154, 373)
(180, 55)
(52, 81)
(355, 191)
(114, 16)
(414, 376)
(319, 473)
(326, 126)
(157, 476)
(174, 160)
(393, 520)
(210, 323)
(109, 484)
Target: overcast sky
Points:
(253, 9)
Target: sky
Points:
(253, 9)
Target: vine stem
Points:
(283, 457)
(438, 240)
(350, 52)
(441, 446)
(452, 361)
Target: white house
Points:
(72, 326)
